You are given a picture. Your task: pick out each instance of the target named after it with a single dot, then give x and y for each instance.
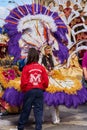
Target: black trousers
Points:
(34, 98)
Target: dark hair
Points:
(33, 55)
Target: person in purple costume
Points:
(84, 67)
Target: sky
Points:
(4, 4)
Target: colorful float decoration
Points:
(36, 26)
(79, 35)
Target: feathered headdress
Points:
(35, 25)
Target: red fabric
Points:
(34, 76)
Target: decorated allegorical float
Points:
(37, 26)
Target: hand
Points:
(50, 73)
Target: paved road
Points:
(71, 119)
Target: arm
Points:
(85, 73)
(24, 79)
(44, 61)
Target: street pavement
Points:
(71, 119)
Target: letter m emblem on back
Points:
(35, 78)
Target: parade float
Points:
(36, 26)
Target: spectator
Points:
(34, 81)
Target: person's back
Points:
(34, 81)
(34, 76)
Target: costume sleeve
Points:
(44, 61)
(84, 61)
(84, 65)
